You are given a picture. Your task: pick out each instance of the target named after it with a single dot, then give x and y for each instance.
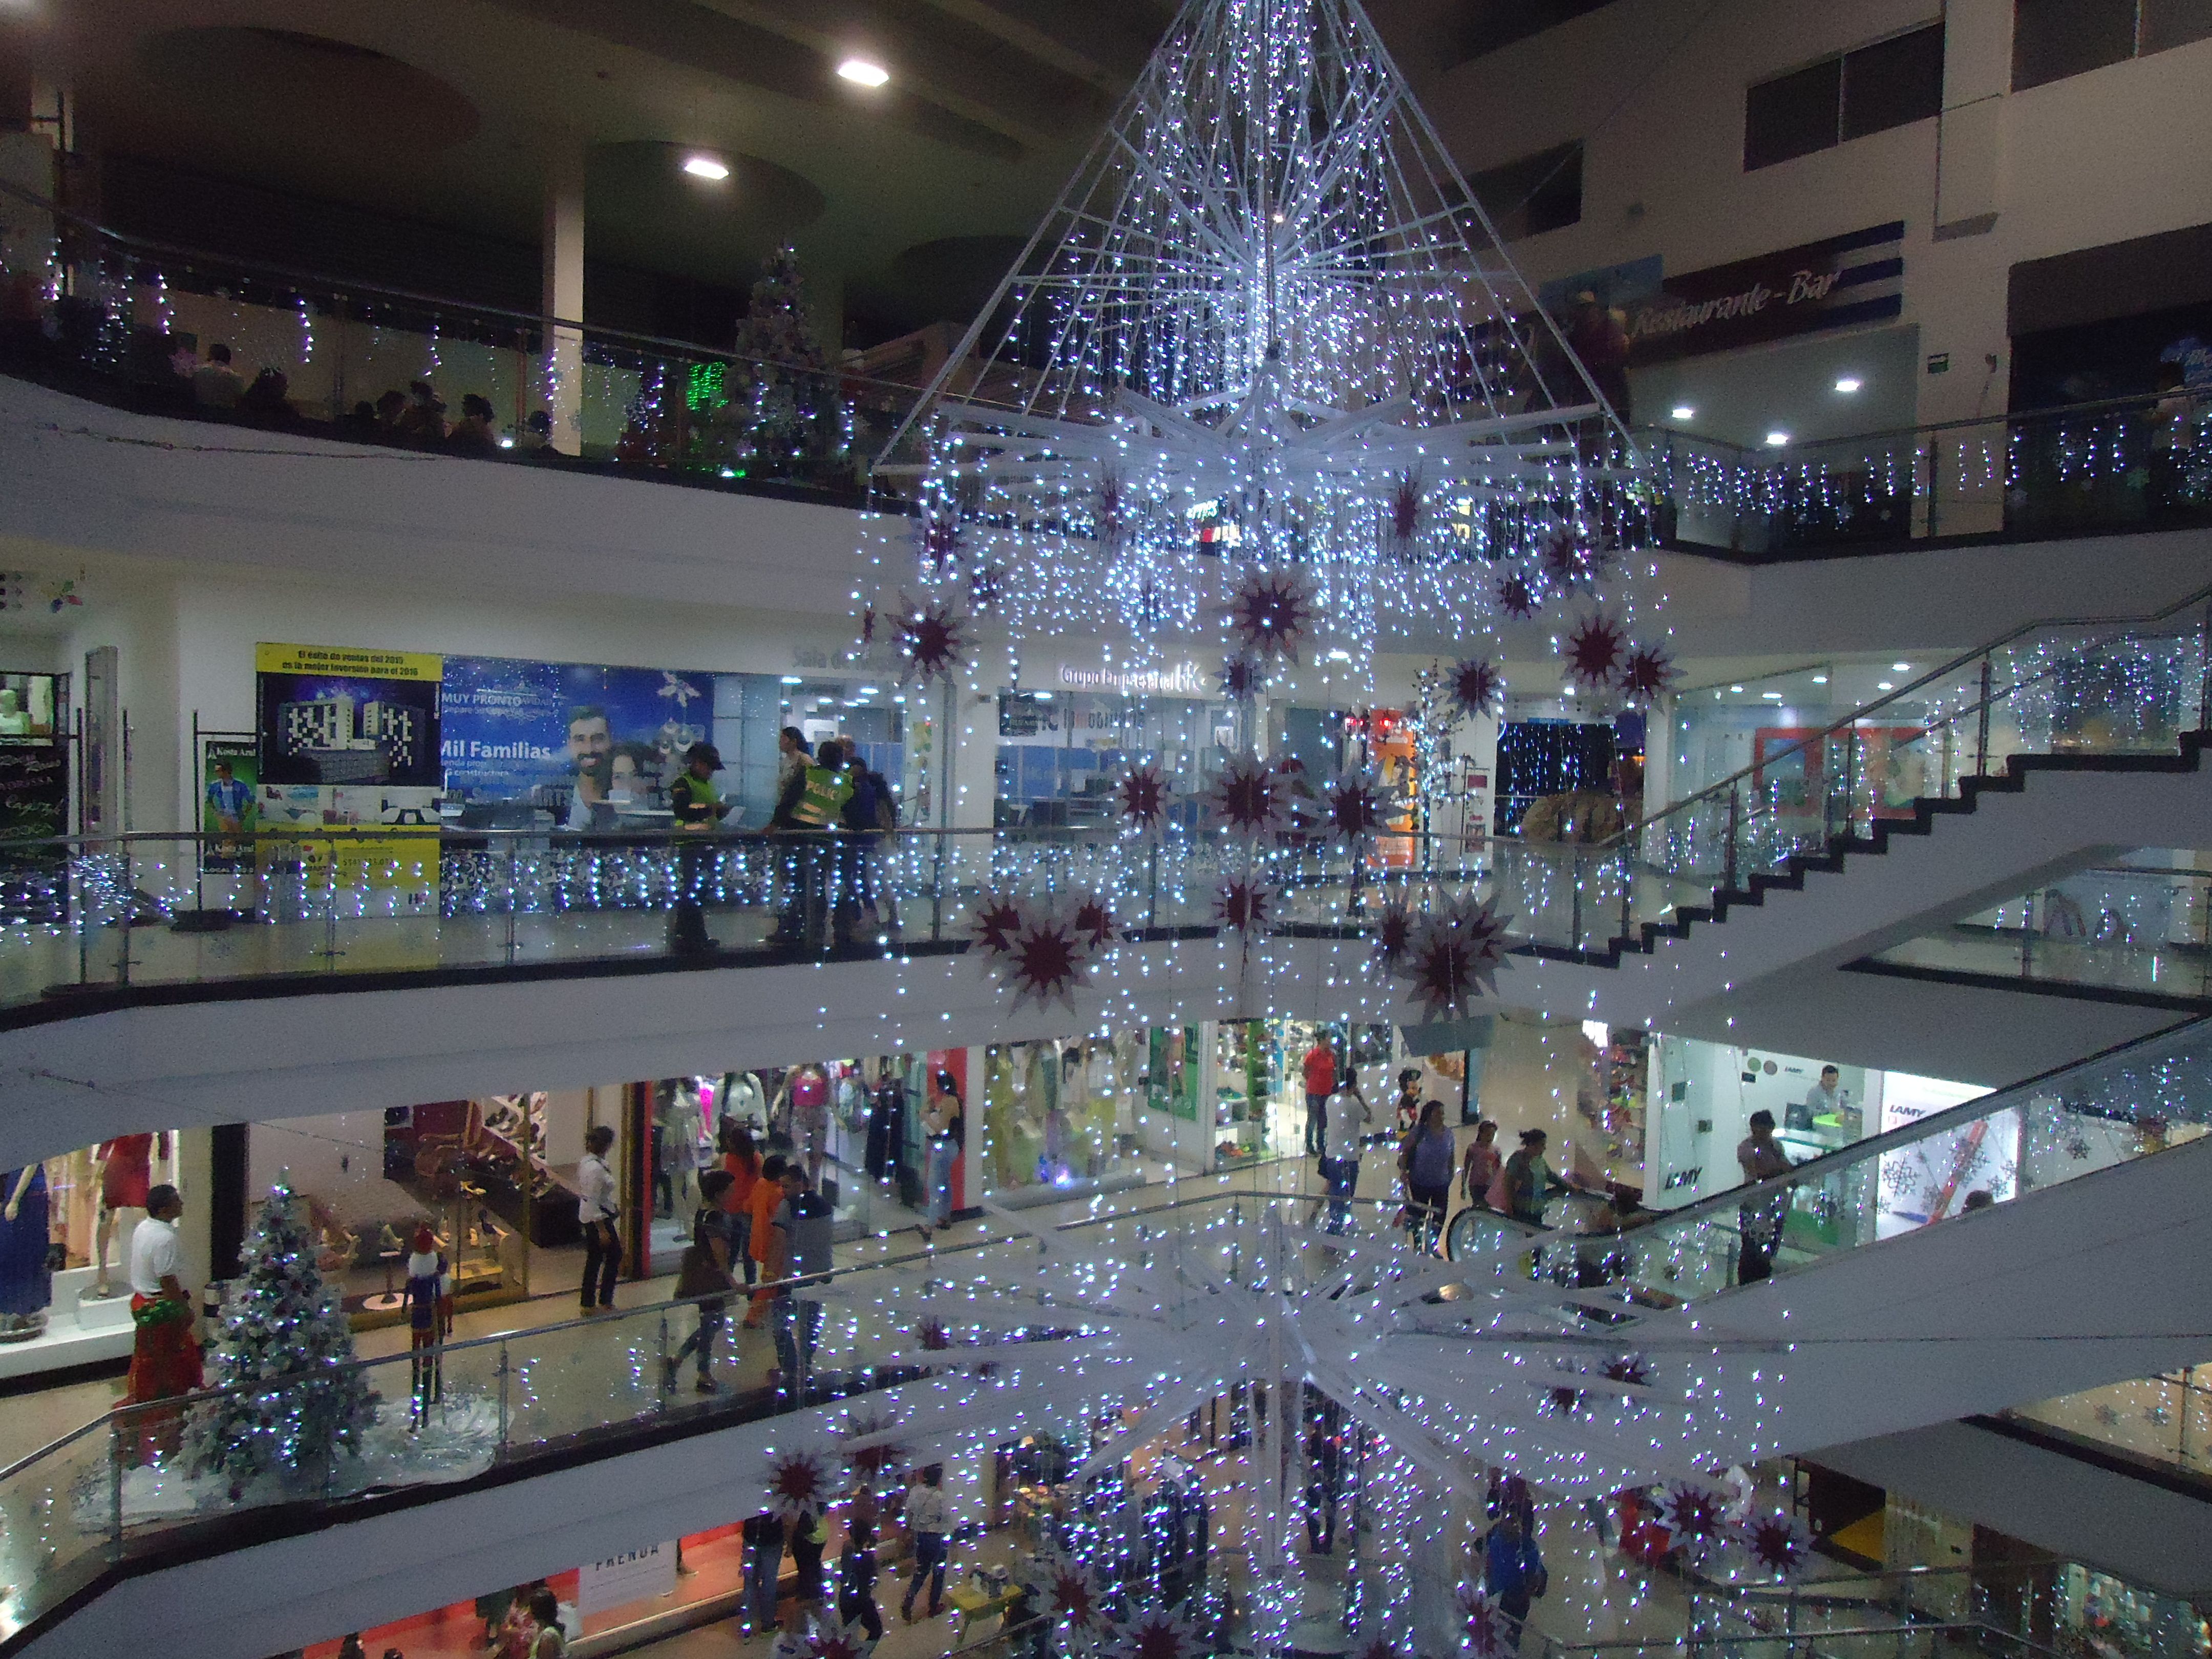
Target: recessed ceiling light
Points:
(1819, 679)
(1884, 685)
(1848, 383)
(708, 167)
(1776, 439)
(1771, 696)
(1735, 688)
(863, 73)
(792, 679)
(1901, 667)
(1685, 412)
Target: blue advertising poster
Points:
(549, 732)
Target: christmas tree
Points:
(280, 1325)
(776, 413)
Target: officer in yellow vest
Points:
(811, 803)
(699, 806)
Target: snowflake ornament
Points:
(797, 1483)
(1696, 1519)
(1357, 803)
(1245, 904)
(998, 924)
(1453, 956)
(1593, 650)
(1516, 598)
(1270, 611)
(1048, 960)
(1645, 675)
(1476, 686)
(1155, 1633)
(1393, 932)
(1777, 1544)
(1243, 679)
(1143, 791)
(870, 1463)
(1488, 1629)
(930, 634)
(1251, 798)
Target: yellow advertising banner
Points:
(348, 662)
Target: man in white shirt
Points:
(1824, 1099)
(927, 1522)
(165, 1358)
(597, 1205)
(1343, 1131)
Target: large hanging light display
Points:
(1265, 371)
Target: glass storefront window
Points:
(1059, 751)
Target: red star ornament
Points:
(1777, 1544)
(1356, 803)
(797, 1483)
(1393, 932)
(1516, 598)
(1244, 904)
(998, 924)
(1476, 686)
(930, 634)
(1593, 651)
(1143, 790)
(1048, 962)
(1270, 611)
(1242, 679)
(1250, 799)
(1645, 675)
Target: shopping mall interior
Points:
(984, 829)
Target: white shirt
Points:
(154, 1254)
(1348, 1118)
(595, 1190)
(926, 1510)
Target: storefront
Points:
(1061, 747)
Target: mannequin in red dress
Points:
(126, 1173)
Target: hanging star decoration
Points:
(939, 536)
(1476, 686)
(985, 584)
(1632, 1368)
(1408, 506)
(1647, 672)
(1377, 1647)
(1516, 598)
(1566, 1401)
(1242, 679)
(997, 924)
(867, 626)
(1271, 612)
(1453, 956)
(1048, 960)
(1393, 932)
(1777, 1543)
(1144, 794)
(840, 1638)
(1488, 1629)
(1567, 563)
(1244, 904)
(1068, 1590)
(798, 1482)
(1250, 799)
(1112, 523)
(1095, 923)
(1357, 803)
(1593, 651)
(1696, 1519)
(930, 634)
(868, 1437)
(1156, 1634)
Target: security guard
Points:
(699, 807)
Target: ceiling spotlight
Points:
(1771, 696)
(1819, 679)
(1685, 412)
(709, 167)
(1737, 689)
(1776, 439)
(1847, 384)
(1884, 685)
(862, 73)
(1901, 667)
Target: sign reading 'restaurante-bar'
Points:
(1855, 278)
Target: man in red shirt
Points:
(1321, 1084)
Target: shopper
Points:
(705, 1269)
(806, 1099)
(429, 1299)
(809, 1538)
(216, 384)
(1321, 1084)
(791, 754)
(1824, 1099)
(802, 1224)
(164, 1357)
(1527, 1181)
(477, 432)
(741, 1163)
(1479, 1166)
(763, 1538)
(1512, 1571)
(597, 1209)
(929, 1523)
(945, 1125)
(1344, 1132)
(698, 807)
(1424, 1164)
(547, 1640)
(1760, 1157)
(856, 1579)
(767, 1194)
(1408, 1102)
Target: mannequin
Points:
(126, 1173)
(14, 722)
(886, 1124)
(430, 1319)
(26, 1284)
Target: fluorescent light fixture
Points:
(868, 691)
(862, 72)
(1771, 696)
(1737, 689)
(1340, 656)
(1685, 412)
(1884, 685)
(1776, 439)
(1901, 667)
(712, 168)
(1847, 384)
(792, 679)
(1819, 679)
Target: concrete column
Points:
(560, 253)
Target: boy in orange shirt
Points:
(768, 1193)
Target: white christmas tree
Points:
(782, 415)
(281, 1326)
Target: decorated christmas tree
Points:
(281, 1325)
(777, 413)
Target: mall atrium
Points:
(1313, 829)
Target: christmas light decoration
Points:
(871, 1453)
(1487, 1628)
(1356, 803)
(930, 634)
(1047, 959)
(1452, 956)
(1155, 1633)
(1392, 934)
(1476, 687)
(1516, 598)
(1143, 791)
(1646, 674)
(998, 924)
(799, 1482)
(1242, 679)
(1266, 327)
(1069, 1591)
(1593, 651)
(1696, 1519)
(1244, 905)
(1777, 1544)
(1251, 798)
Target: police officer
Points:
(698, 806)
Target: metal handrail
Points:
(2003, 417)
(2200, 596)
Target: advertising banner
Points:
(337, 715)
(1930, 1178)
(230, 805)
(517, 730)
(33, 791)
(1835, 283)
(634, 1576)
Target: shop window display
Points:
(1052, 1116)
(65, 1230)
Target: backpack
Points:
(699, 1273)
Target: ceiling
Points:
(907, 201)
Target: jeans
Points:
(687, 922)
(941, 1154)
(701, 1342)
(763, 1568)
(1342, 1174)
(1317, 1121)
(797, 1329)
(1427, 1207)
(602, 1262)
(929, 1556)
(863, 1607)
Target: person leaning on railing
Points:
(812, 803)
(698, 807)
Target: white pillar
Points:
(560, 253)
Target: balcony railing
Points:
(128, 321)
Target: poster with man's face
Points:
(512, 726)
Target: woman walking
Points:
(1425, 1161)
